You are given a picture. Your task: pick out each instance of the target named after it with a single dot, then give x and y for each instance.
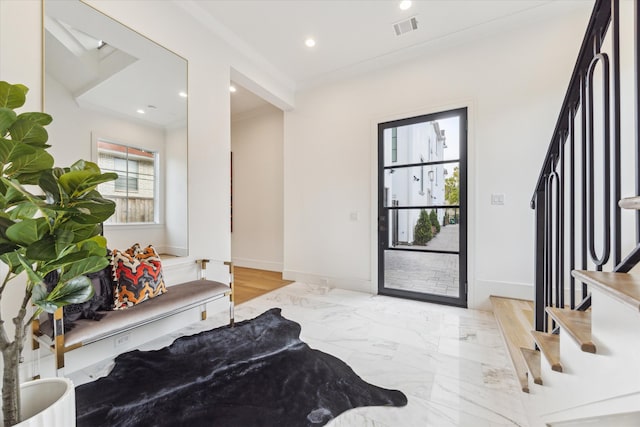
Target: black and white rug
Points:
(258, 373)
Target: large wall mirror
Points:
(120, 99)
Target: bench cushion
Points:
(179, 298)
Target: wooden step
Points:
(532, 359)
(577, 324)
(623, 287)
(630, 203)
(550, 347)
(515, 319)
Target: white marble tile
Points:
(450, 362)
(494, 405)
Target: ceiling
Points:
(352, 35)
(126, 74)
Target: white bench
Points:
(181, 297)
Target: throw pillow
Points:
(138, 276)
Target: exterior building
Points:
(420, 185)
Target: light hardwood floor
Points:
(250, 283)
(515, 318)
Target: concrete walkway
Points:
(426, 272)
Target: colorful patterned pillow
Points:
(138, 276)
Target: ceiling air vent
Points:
(406, 26)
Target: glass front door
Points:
(422, 207)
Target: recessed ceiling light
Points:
(182, 94)
(232, 89)
(405, 4)
(140, 111)
(310, 42)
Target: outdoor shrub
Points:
(433, 216)
(422, 232)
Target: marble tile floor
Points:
(450, 362)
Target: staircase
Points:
(588, 371)
(578, 356)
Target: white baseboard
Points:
(485, 288)
(258, 264)
(347, 283)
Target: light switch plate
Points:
(497, 199)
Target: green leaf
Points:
(63, 239)
(33, 277)
(12, 96)
(86, 166)
(30, 178)
(24, 210)
(64, 261)
(28, 231)
(7, 118)
(36, 162)
(12, 260)
(37, 117)
(28, 132)
(94, 211)
(11, 150)
(95, 245)
(15, 196)
(77, 290)
(5, 223)
(86, 266)
(73, 179)
(81, 231)
(43, 249)
(39, 293)
(83, 177)
(49, 185)
(7, 248)
(90, 184)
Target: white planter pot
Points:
(49, 402)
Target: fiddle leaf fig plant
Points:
(50, 220)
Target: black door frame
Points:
(385, 211)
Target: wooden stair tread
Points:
(630, 203)
(515, 319)
(532, 359)
(624, 287)
(577, 324)
(550, 347)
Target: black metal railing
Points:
(578, 220)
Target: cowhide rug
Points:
(258, 373)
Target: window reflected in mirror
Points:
(134, 192)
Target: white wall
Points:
(71, 143)
(257, 145)
(176, 202)
(513, 86)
